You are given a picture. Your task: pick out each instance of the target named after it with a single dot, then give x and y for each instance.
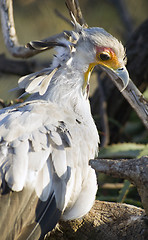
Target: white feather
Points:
(45, 82)
(37, 82)
(59, 162)
(37, 160)
(25, 81)
(32, 86)
(55, 137)
(44, 181)
(18, 166)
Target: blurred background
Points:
(36, 20)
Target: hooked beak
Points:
(120, 73)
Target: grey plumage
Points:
(47, 141)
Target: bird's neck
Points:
(68, 91)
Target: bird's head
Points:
(98, 47)
(88, 47)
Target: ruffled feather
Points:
(37, 82)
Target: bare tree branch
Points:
(10, 36)
(135, 170)
(9, 32)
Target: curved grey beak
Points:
(120, 73)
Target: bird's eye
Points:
(104, 56)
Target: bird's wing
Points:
(33, 139)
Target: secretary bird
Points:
(46, 142)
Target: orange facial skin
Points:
(112, 62)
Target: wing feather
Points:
(37, 82)
(59, 162)
(33, 84)
(25, 81)
(55, 137)
(17, 166)
(44, 181)
(32, 146)
(45, 82)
